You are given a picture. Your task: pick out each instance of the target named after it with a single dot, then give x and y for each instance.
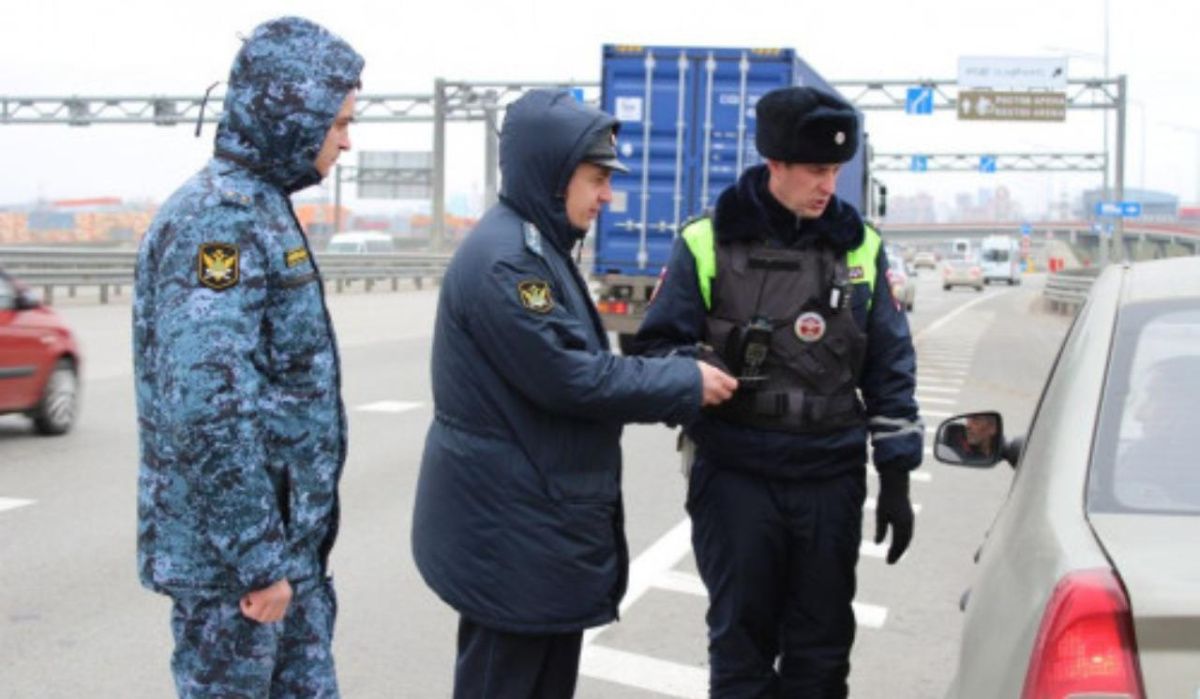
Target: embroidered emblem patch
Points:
(217, 265)
(295, 257)
(810, 327)
(856, 273)
(535, 295)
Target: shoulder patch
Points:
(217, 265)
(295, 257)
(533, 239)
(856, 273)
(535, 295)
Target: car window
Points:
(1149, 433)
(8, 294)
(995, 255)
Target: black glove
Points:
(894, 509)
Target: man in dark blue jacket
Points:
(518, 522)
(779, 285)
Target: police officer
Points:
(518, 522)
(782, 284)
(241, 424)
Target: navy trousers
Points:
(778, 559)
(497, 665)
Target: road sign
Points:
(395, 174)
(988, 105)
(919, 100)
(577, 93)
(1026, 229)
(1122, 209)
(1012, 73)
(987, 163)
(919, 163)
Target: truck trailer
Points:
(687, 132)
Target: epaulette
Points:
(533, 239)
(231, 196)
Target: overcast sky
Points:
(144, 47)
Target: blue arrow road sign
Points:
(919, 100)
(1026, 229)
(987, 163)
(1123, 209)
(920, 163)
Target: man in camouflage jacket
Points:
(241, 424)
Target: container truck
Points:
(687, 132)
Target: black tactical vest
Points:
(799, 299)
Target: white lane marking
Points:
(872, 549)
(939, 389)
(934, 326)
(939, 374)
(935, 400)
(681, 581)
(921, 476)
(868, 615)
(659, 558)
(869, 505)
(14, 503)
(940, 368)
(643, 672)
(389, 406)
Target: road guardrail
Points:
(112, 270)
(1066, 290)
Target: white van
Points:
(999, 259)
(360, 242)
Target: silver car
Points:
(962, 271)
(1089, 580)
(900, 279)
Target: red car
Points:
(39, 361)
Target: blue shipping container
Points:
(687, 131)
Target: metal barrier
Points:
(1066, 290)
(111, 270)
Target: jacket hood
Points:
(748, 211)
(544, 138)
(286, 86)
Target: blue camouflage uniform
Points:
(241, 425)
(518, 521)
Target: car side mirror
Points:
(975, 440)
(27, 299)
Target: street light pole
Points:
(1119, 229)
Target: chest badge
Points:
(535, 295)
(217, 265)
(810, 327)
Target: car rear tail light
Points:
(613, 307)
(1085, 645)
